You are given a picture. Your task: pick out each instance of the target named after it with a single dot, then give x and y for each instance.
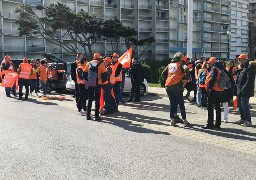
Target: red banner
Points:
(126, 59)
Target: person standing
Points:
(214, 93)
(177, 74)
(199, 65)
(202, 73)
(33, 77)
(117, 68)
(8, 67)
(37, 76)
(245, 89)
(95, 75)
(137, 78)
(81, 83)
(24, 71)
(43, 76)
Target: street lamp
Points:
(228, 34)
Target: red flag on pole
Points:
(126, 59)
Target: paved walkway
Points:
(152, 116)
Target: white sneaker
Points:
(81, 113)
(225, 121)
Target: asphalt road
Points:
(42, 140)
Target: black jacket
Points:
(73, 71)
(136, 73)
(245, 80)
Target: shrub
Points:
(161, 79)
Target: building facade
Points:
(166, 20)
(252, 29)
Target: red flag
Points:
(126, 59)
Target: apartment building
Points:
(252, 29)
(166, 20)
(239, 28)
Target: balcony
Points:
(10, 15)
(16, 1)
(165, 29)
(35, 48)
(162, 18)
(96, 3)
(166, 40)
(110, 5)
(162, 7)
(226, 2)
(83, 1)
(145, 6)
(162, 51)
(214, 29)
(33, 2)
(148, 29)
(141, 17)
(211, 39)
(13, 48)
(127, 17)
(110, 16)
(97, 15)
(10, 32)
(225, 12)
(127, 6)
(212, 9)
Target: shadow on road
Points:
(126, 121)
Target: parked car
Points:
(70, 85)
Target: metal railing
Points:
(127, 17)
(162, 6)
(162, 18)
(162, 29)
(10, 15)
(145, 17)
(129, 6)
(144, 6)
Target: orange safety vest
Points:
(175, 74)
(216, 85)
(25, 70)
(119, 77)
(10, 79)
(78, 80)
(34, 74)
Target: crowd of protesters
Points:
(213, 83)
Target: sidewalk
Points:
(162, 92)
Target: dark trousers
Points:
(33, 84)
(81, 103)
(176, 99)
(93, 92)
(23, 82)
(244, 108)
(109, 104)
(214, 99)
(116, 89)
(8, 90)
(135, 91)
(204, 96)
(76, 93)
(37, 84)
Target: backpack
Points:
(202, 77)
(93, 74)
(224, 81)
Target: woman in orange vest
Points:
(82, 87)
(43, 76)
(117, 68)
(176, 75)
(8, 67)
(214, 93)
(24, 71)
(33, 77)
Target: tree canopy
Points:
(82, 29)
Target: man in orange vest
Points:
(117, 68)
(81, 83)
(33, 77)
(214, 93)
(108, 86)
(24, 71)
(8, 67)
(92, 69)
(176, 75)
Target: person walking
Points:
(137, 77)
(117, 68)
(214, 93)
(8, 67)
(24, 71)
(82, 87)
(95, 75)
(43, 76)
(176, 75)
(245, 88)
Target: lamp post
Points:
(228, 34)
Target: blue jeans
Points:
(93, 92)
(176, 99)
(198, 97)
(43, 87)
(116, 89)
(244, 109)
